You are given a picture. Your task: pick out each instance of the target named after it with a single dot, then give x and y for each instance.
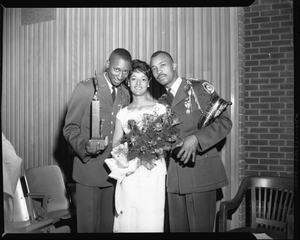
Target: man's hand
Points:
(188, 149)
(93, 147)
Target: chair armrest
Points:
(45, 197)
(224, 206)
(290, 226)
(29, 227)
(38, 195)
(227, 208)
(39, 225)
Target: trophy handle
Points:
(222, 107)
(213, 110)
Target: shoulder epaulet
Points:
(190, 81)
(87, 79)
(205, 84)
(208, 87)
(194, 79)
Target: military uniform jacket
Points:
(91, 170)
(208, 173)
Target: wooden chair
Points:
(269, 202)
(49, 181)
(22, 221)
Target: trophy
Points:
(97, 139)
(213, 110)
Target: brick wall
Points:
(269, 84)
(241, 19)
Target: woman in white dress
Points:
(140, 195)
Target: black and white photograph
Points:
(128, 121)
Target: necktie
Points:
(113, 93)
(170, 96)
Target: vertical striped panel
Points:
(233, 148)
(43, 62)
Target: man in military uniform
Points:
(191, 184)
(94, 189)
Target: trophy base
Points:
(100, 143)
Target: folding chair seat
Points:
(49, 181)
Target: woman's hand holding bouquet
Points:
(119, 164)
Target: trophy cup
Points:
(213, 110)
(97, 141)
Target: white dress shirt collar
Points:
(109, 83)
(175, 86)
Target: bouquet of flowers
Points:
(149, 141)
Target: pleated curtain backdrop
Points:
(43, 62)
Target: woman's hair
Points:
(138, 65)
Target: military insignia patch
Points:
(208, 87)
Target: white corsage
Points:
(119, 164)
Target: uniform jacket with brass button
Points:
(91, 170)
(208, 173)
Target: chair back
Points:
(49, 180)
(272, 200)
(20, 210)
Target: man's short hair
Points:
(162, 52)
(122, 53)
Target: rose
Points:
(159, 151)
(175, 121)
(143, 148)
(133, 139)
(172, 138)
(153, 143)
(158, 127)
